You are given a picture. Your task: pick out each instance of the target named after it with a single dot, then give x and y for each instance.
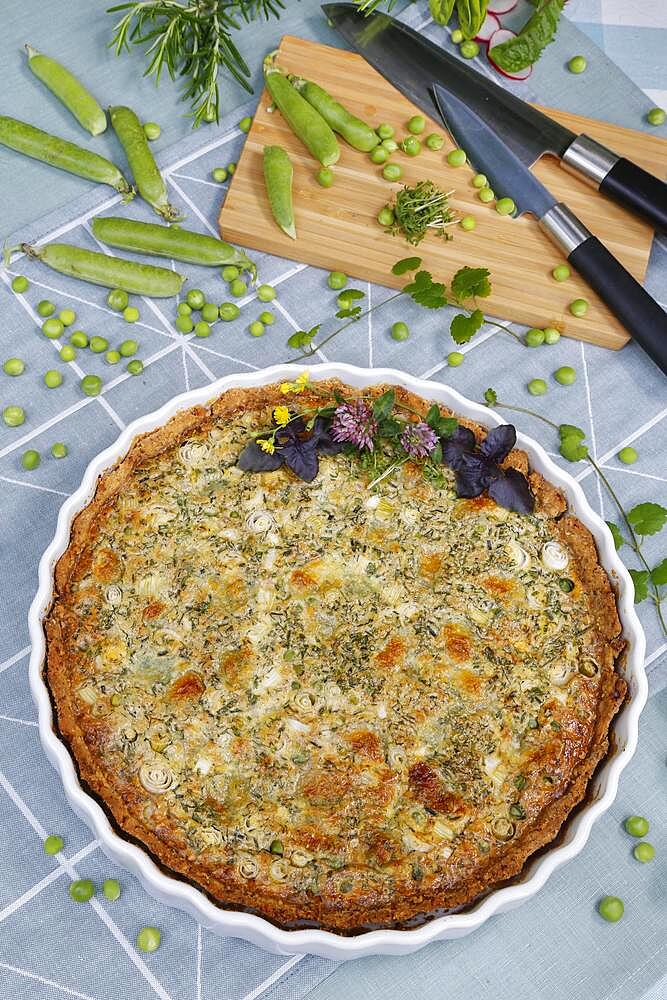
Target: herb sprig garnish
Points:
(639, 522)
(421, 209)
(381, 432)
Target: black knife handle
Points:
(638, 312)
(639, 191)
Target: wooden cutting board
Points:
(337, 227)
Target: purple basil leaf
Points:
(301, 457)
(498, 443)
(457, 447)
(473, 475)
(511, 490)
(322, 439)
(253, 459)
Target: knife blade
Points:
(486, 151)
(413, 63)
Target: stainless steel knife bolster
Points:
(619, 178)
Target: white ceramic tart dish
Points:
(171, 889)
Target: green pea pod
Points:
(441, 10)
(112, 272)
(278, 174)
(471, 14)
(57, 152)
(147, 177)
(356, 132)
(306, 123)
(68, 90)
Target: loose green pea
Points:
(266, 293)
(112, 357)
(67, 317)
(267, 318)
(91, 385)
(135, 367)
(324, 177)
(231, 167)
(434, 141)
(256, 329)
(505, 206)
(566, 585)
(230, 273)
(20, 284)
(392, 172)
(202, 328)
(386, 216)
(628, 456)
(78, 339)
(565, 375)
(13, 366)
(469, 49)
(534, 337)
(45, 308)
(229, 311)
(456, 157)
(53, 844)
(98, 345)
(644, 852)
(128, 348)
(183, 309)
(117, 299)
(111, 889)
(195, 298)
(52, 378)
(390, 145)
(82, 890)
(30, 459)
(385, 131)
(417, 124)
(400, 331)
(245, 124)
(337, 280)
(577, 64)
(551, 335)
(379, 155)
(479, 181)
(13, 416)
(636, 826)
(238, 288)
(209, 312)
(52, 328)
(485, 194)
(411, 145)
(152, 131)
(130, 314)
(467, 223)
(455, 358)
(537, 387)
(656, 116)
(148, 939)
(561, 273)
(219, 175)
(457, 36)
(67, 353)
(611, 908)
(579, 307)
(59, 450)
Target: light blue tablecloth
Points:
(50, 948)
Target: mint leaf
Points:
(659, 573)
(348, 313)
(527, 47)
(640, 581)
(406, 264)
(463, 327)
(384, 404)
(302, 337)
(425, 291)
(616, 534)
(470, 283)
(647, 518)
(443, 426)
(490, 397)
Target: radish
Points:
(489, 27)
(504, 35)
(501, 6)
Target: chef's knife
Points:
(508, 176)
(413, 63)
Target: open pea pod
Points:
(471, 14)
(441, 10)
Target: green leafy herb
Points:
(490, 397)
(526, 48)
(571, 446)
(384, 404)
(441, 10)
(640, 579)
(405, 265)
(619, 541)
(659, 574)
(443, 426)
(426, 292)
(463, 327)
(647, 518)
(471, 283)
(303, 337)
(420, 209)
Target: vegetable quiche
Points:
(334, 688)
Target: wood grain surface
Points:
(337, 227)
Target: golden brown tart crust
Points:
(375, 823)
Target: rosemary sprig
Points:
(193, 40)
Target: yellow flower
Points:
(267, 445)
(281, 415)
(298, 385)
(286, 387)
